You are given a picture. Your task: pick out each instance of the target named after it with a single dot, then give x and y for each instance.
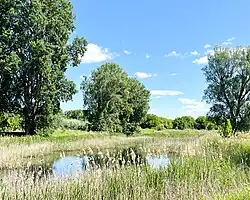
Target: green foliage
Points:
(61, 122)
(226, 129)
(34, 57)
(201, 122)
(155, 122)
(185, 122)
(151, 121)
(10, 122)
(114, 102)
(76, 114)
(211, 126)
(228, 90)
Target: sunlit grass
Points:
(204, 166)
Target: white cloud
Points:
(165, 92)
(172, 54)
(143, 75)
(206, 46)
(96, 54)
(173, 74)
(201, 61)
(194, 107)
(229, 41)
(147, 56)
(195, 53)
(209, 51)
(127, 52)
(155, 97)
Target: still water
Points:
(75, 165)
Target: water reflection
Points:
(158, 161)
(70, 166)
(74, 165)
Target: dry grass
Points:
(206, 167)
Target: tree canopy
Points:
(228, 90)
(34, 56)
(114, 101)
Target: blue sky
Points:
(163, 43)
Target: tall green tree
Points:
(114, 102)
(34, 55)
(201, 122)
(228, 90)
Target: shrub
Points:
(201, 122)
(151, 121)
(60, 122)
(169, 124)
(185, 122)
(211, 126)
(76, 114)
(10, 122)
(155, 122)
(226, 129)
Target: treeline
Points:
(186, 122)
(77, 120)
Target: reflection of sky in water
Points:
(158, 161)
(73, 165)
(69, 166)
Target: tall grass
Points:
(204, 167)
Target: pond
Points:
(69, 166)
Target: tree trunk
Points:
(29, 128)
(29, 125)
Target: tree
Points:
(34, 56)
(201, 122)
(114, 102)
(151, 121)
(228, 90)
(185, 122)
(76, 114)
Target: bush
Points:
(211, 126)
(185, 122)
(76, 114)
(151, 121)
(155, 122)
(10, 122)
(201, 123)
(226, 129)
(61, 122)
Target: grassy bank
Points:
(205, 167)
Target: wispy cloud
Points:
(143, 75)
(182, 55)
(127, 52)
(173, 74)
(147, 56)
(172, 54)
(156, 97)
(229, 41)
(195, 53)
(194, 107)
(165, 92)
(201, 61)
(206, 46)
(209, 52)
(96, 54)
